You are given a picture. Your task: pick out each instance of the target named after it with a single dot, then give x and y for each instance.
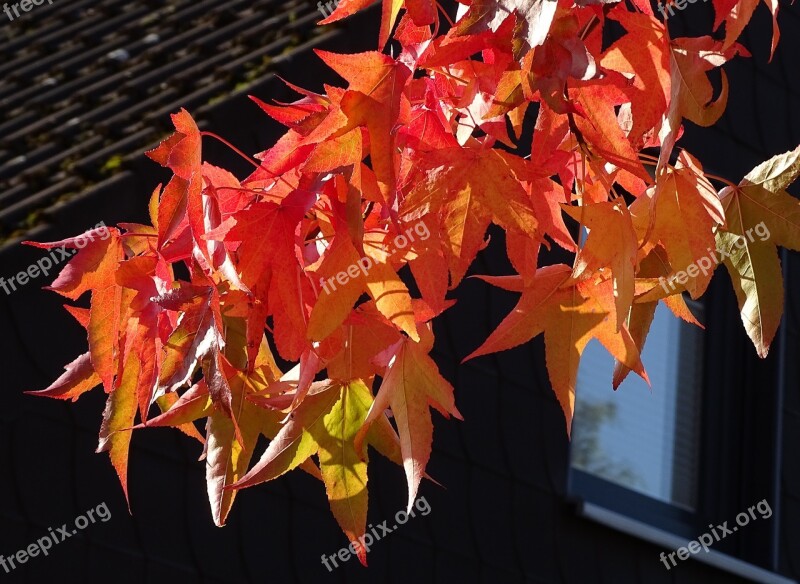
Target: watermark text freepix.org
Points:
(56, 256)
(366, 263)
(706, 263)
(25, 5)
(373, 534)
(679, 4)
(44, 543)
(331, 5)
(717, 533)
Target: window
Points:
(696, 448)
(644, 438)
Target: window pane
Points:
(643, 439)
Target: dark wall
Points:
(503, 515)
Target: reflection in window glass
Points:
(641, 438)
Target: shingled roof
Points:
(86, 86)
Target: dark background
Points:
(503, 515)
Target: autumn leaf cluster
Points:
(187, 314)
